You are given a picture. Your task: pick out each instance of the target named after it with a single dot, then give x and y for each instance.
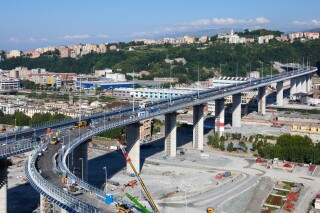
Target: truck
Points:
(54, 140)
(80, 124)
(122, 208)
(145, 104)
(153, 109)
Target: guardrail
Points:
(17, 148)
(52, 192)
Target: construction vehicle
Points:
(122, 208)
(128, 159)
(274, 119)
(210, 210)
(135, 201)
(80, 124)
(54, 140)
(131, 183)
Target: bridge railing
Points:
(52, 192)
(19, 147)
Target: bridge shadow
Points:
(22, 198)
(114, 161)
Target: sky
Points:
(27, 24)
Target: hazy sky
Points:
(36, 23)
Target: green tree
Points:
(221, 146)
(230, 147)
(99, 90)
(216, 140)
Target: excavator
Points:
(128, 159)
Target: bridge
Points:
(47, 181)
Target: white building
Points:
(225, 81)
(9, 85)
(102, 73)
(8, 108)
(150, 93)
(15, 53)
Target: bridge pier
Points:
(219, 116)
(236, 110)
(303, 83)
(280, 93)
(298, 83)
(198, 120)
(133, 146)
(262, 100)
(170, 143)
(3, 185)
(293, 88)
(309, 84)
(77, 165)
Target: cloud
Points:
(13, 40)
(76, 37)
(313, 22)
(31, 39)
(103, 36)
(200, 22)
(262, 20)
(44, 39)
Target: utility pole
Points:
(198, 81)
(106, 172)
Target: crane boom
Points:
(128, 159)
(134, 200)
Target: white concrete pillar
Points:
(236, 110)
(298, 83)
(303, 84)
(219, 116)
(170, 143)
(309, 83)
(280, 93)
(198, 120)
(133, 146)
(3, 185)
(262, 100)
(293, 88)
(77, 165)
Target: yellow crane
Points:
(128, 159)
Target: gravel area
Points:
(237, 204)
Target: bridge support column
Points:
(236, 110)
(280, 93)
(80, 161)
(262, 100)
(293, 88)
(219, 116)
(304, 83)
(170, 143)
(133, 146)
(198, 119)
(298, 83)
(3, 185)
(309, 83)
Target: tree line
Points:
(21, 119)
(293, 148)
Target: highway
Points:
(126, 116)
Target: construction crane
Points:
(274, 119)
(135, 201)
(128, 159)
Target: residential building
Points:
(282, 38)
(249, 40)
(204, 39)
(189, 39)
(113, 47)
(9, 108)
(265, 39)
(296, 35)
(145, 130)
(102, 48)
(14, 53)
(316, 86)
(311, 35)
(8, 85)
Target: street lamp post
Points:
(106, 172)
(81, 167)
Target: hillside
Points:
(234, 59)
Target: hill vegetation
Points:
(235, 59)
